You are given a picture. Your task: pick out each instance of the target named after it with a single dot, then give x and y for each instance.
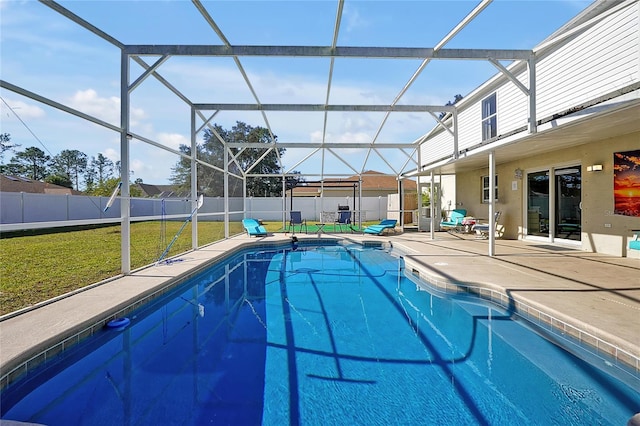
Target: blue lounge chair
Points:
(254, 228)
(455, 220)
(381, 227)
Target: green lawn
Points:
(38, 266)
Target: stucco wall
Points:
(597, 193)
(597, 199)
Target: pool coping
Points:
(536, 314)
(149, 286)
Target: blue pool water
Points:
(320, 335)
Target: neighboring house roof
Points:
(21, 184)
(371, 181)
(160, 191)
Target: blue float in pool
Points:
(118, 323)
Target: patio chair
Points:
(254, 228)
(381, 227)
(482, 230)
(454, 221)
(296, 219)
(344, 218)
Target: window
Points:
(485, 189)
(489, 118)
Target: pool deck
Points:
(593, 297)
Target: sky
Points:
(43, 52)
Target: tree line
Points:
(98, 175)
(70, 168)
(254, 160)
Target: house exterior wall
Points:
(512, 104)
(598, 201)
(601, 58)
(469, 127)
(438, 147)
(594, 62)
(597, 194)
(587, 67)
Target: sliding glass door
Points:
(568, 185)
(538, 204)
(553, 203)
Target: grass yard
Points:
(37, 266)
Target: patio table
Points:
(467, 224)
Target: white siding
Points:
(599, 59)
(512, 112)
(513, 105)
(439, 147)
(470, 122)
(602, 58)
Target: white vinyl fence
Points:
(20, 210)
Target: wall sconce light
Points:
(594, 168)
(518, 173)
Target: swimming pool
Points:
(320, 334)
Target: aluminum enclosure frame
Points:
(137, 53)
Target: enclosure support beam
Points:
(324, 107)
(456, 151)
(31, 95)
(227, 153)
(432, 210)
(236, 51)
(492, 202)
(194, 182)
(533, 120)
(125, 200)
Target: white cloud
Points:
(89, 102)
(352, 18)
(153, 166)
(112, 154)
(138, 167)
(173, 140)
(358, 137)
(21, 109)
(106, 109)
(345, 137)
(316, 136)
(357, 123)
